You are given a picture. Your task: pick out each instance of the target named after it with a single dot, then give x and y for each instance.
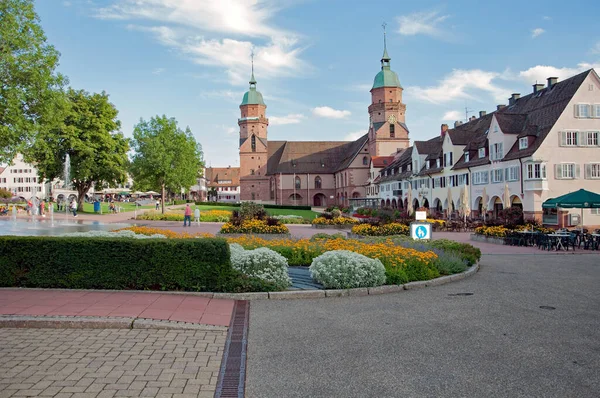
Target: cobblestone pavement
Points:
(109, 363)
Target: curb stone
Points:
(386, 289)
(242, 296)
(336, 293)
(358, 291)
(294, 294)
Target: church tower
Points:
(387, 130)
(254, 185)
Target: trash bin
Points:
(96, 207)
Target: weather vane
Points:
(252, 59)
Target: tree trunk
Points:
(81, 191)
(163, 198)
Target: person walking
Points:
(187, 216)
(74, 207)
(43, 208)
(157, 204)
(197, 216)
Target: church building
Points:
(318, 173)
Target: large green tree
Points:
(89, 134)
(31, 95)
(166, 157)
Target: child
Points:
(197, 216)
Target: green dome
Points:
(386, 78)
(252, 97)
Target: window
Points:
(253, 143)
(466, 156)
(480, 177)
(317, 182)
(497, 151)
(565, 171)
(582, 110)
(497, 175)
(448, 159)
(596, 108)
(523, 143)
(365, 161)
(437, 163)
(253, 196)
(251, 172)
(462, 179)
(591, 138)
(392, 130)
(595, 212)
(569, 138)
(536, 171)
(297, 183)
(592, 171)
(512, 173)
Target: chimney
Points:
(444, 129)
(472, 118)
(538, 87)
(552, 81)
(457, 123)
(482, 113)
(498, 107)
(514, 97)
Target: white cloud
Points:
(230, 95)
(461, 84)
(67, 3)
(292, 118)
(596, 49)
(325, 111)
(158, 71)
(547, 18)
(355, 135)
(452, 116)
(426, 23)
(536, 32)
(540, 73)
(211, 32)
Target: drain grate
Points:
(460, 294)
(232, 376)
(547, 307)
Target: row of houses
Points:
(539, 146)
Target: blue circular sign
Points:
(421, 232)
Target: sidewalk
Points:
(157, 306)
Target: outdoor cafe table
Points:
(559, 238)
(528, 236)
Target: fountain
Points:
(67, 185)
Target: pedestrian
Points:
(157, 204)
(74, 207)
(29, 207)
(197, 216)
(42, 208)
(187, 216)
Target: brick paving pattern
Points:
(104, 363)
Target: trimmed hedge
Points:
(266, 206)
(118, 263)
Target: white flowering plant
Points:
(116, 234)
(262, 263)
(343, 269)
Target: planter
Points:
(487, 239)
(340, 226)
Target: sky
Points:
(315, 60)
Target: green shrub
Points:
(467, 252)
(116, 263)
(266, 206)
(262, 263)
(343, 269)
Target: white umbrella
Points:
(449, 199)
(484, 202)
(465, 204)
(506, 197)
(152, 193)
(409, 205)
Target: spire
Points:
(385, 58)
(252, 79)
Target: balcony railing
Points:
(535, 185)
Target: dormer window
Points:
(392, 130)
(437, 162)
(523, 143)
(427, 165)
(481, 153)
(466, 156)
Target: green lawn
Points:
(89, 207)
(308, 214)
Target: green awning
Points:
(580, 199)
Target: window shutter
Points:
(518, 172)
(562, 138)
(588, 171)
(558, 171)
(467, 179)
(577, 171)
(451, 158)
(506, 174)
(576, 110)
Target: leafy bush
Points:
(116, 263)
(262, 263)
(334, 221)
(252, 211)
(322, 236)
(123, 233)
(343, 269)
(449, 263)
(382, 230)
(469, 253)
(266, 206)
(336, 213)
(512, 216)
(253, 227)
(290, 219)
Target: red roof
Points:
(382, 161)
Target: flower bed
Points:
(381, 230)
(496, 232)
(253, 227)
(205, 216)
(336, 221)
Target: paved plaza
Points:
(99, 363)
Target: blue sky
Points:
(315, 59)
